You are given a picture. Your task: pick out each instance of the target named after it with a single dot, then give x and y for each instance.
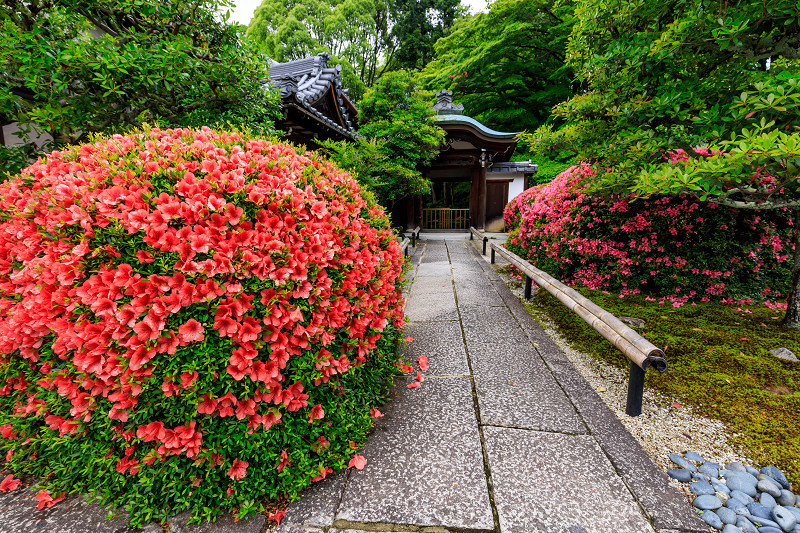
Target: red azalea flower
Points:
(9, 483)
(238, 470)
(191, 331)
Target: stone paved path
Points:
(503, 435)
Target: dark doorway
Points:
(496, 198)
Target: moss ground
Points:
(719, 362)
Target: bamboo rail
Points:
(641, 352)
(445, 218)
(415, 236)
(404, 246)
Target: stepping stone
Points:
(431, 299)
(548, 482)
(425, 463)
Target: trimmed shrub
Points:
(191, 319)
(675, 248)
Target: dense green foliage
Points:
(719, 364)
(356, 32)
(507, 65)
(417, 26)
(399, 137)
(73, 67)
(197, 320)
(716, 80)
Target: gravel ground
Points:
(664, 427)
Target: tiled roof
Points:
(514, 167)
(307, 80)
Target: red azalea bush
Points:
(675, 248)
(190, 319)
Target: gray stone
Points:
(758, 510)
(745, 525)
(784, 354)
(794, 510)
(441, 342)
(712, 519)
(784, 518)
(706, 502)
(632, 321)
(732, 529)
(787, 498)
(712, 469)
(736, 506)
(428, 462)
(694, 456)
(726, 515)
(775, 473)
(679, 474)
(682, 462)
(735, 466)
(701, 487)
(224, 524)
(744, 476)
(720, 486)
(750, 470)
(551, 482)
(769, 529)
(761, 521)
(317, 504)
(699, 476)
(770, 487)
(767, 500)
(742, 484)
(742, 497)
(431, 299)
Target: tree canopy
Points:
(688, 96)
(357, 32)
(418, 25)
(399, 137)
(507, 65)
(74, 67)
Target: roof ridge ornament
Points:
(445, 106)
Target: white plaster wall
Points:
(516, 186)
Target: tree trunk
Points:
(792, 318)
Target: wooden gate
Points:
(445, 218)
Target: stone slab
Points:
(18, 514)
(441, 342)
(546, 482)
(660, 500)
(431, 299)
(438, 268)
(477, 294)
(425, 463)
(514, 386)
(317, 504)
(226, 523)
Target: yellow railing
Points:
(444, 218)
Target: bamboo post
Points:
(492, 252)
(633, 406)
(528, 287)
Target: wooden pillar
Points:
(477, 197)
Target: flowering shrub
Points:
(190, 319)
(672, 247)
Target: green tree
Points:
(356, 32)
(74, 67)
(507, 65)
(418, 25)
(399, 138)
(718, 80)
